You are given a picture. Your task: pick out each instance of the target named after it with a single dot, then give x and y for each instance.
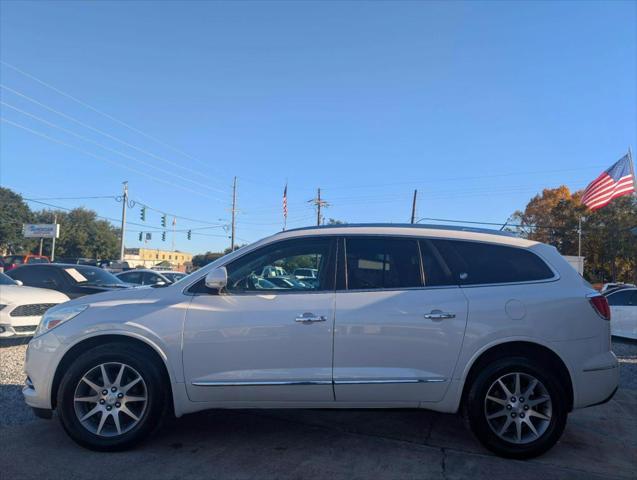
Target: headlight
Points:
(52, 319)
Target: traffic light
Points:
(163, 220)
(189, 234)
(140, 236)
(163, 236)
(142, 214)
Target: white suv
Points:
(500, 328)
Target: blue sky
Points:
(478, 105)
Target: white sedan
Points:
(21, 308)
(623, 307)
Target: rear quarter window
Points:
(476, 263)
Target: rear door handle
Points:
(308, 317)
(439, 315)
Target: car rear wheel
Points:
(517, 408)
(111, 397)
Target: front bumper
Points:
(17, 326)
(39, 365)
(7, 331)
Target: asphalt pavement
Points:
(599, 443)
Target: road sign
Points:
(41, 230)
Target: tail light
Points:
(600, 305)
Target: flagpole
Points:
(632, 168)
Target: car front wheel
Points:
(517, 408)
(111, 397)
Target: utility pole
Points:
(124, 204)
(234, 210)
(173, 242)
(579, 237)
(413, 207)
(318, 208)
(319, 203)
(55, 222)
(41, 241)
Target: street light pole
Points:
(234, 209)
(55, 222)
(124, 204)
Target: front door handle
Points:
(439, 315)
(308, 317)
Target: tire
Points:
(137, 396)
(488, 417)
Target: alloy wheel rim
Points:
(110, 399)
(518, 408)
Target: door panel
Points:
(268, 336)
(385, 350)
(251, 348)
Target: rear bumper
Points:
(598, 380)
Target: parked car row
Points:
(21, 307)
(141, 276)
(30, 289)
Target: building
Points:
(150, 257)
(576, 262)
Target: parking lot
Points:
(599, 442)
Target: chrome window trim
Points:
(554, 278)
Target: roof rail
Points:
(409, 225)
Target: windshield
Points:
(14, 259)
(173, 277)
(6, 280)
(37, 260)
(84, 275)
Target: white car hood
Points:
(15, 294)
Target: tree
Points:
(13, 213)
(201, 260)
(608, 245)
(82, 234)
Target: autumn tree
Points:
(608, 245)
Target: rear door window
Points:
(623, 298)
(382, 263)
(477, 263)
(131, 277)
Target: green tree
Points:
(82, 234)
(13, 213)
(203, 259)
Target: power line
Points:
(158, 210)
(76, 198)
(102, 132)
(100, 145)
(90, 107)
(100, 157)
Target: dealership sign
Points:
(41, 230)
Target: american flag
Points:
(285, 201)
(617, 181)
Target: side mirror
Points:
(217, 279)
(19, 283)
